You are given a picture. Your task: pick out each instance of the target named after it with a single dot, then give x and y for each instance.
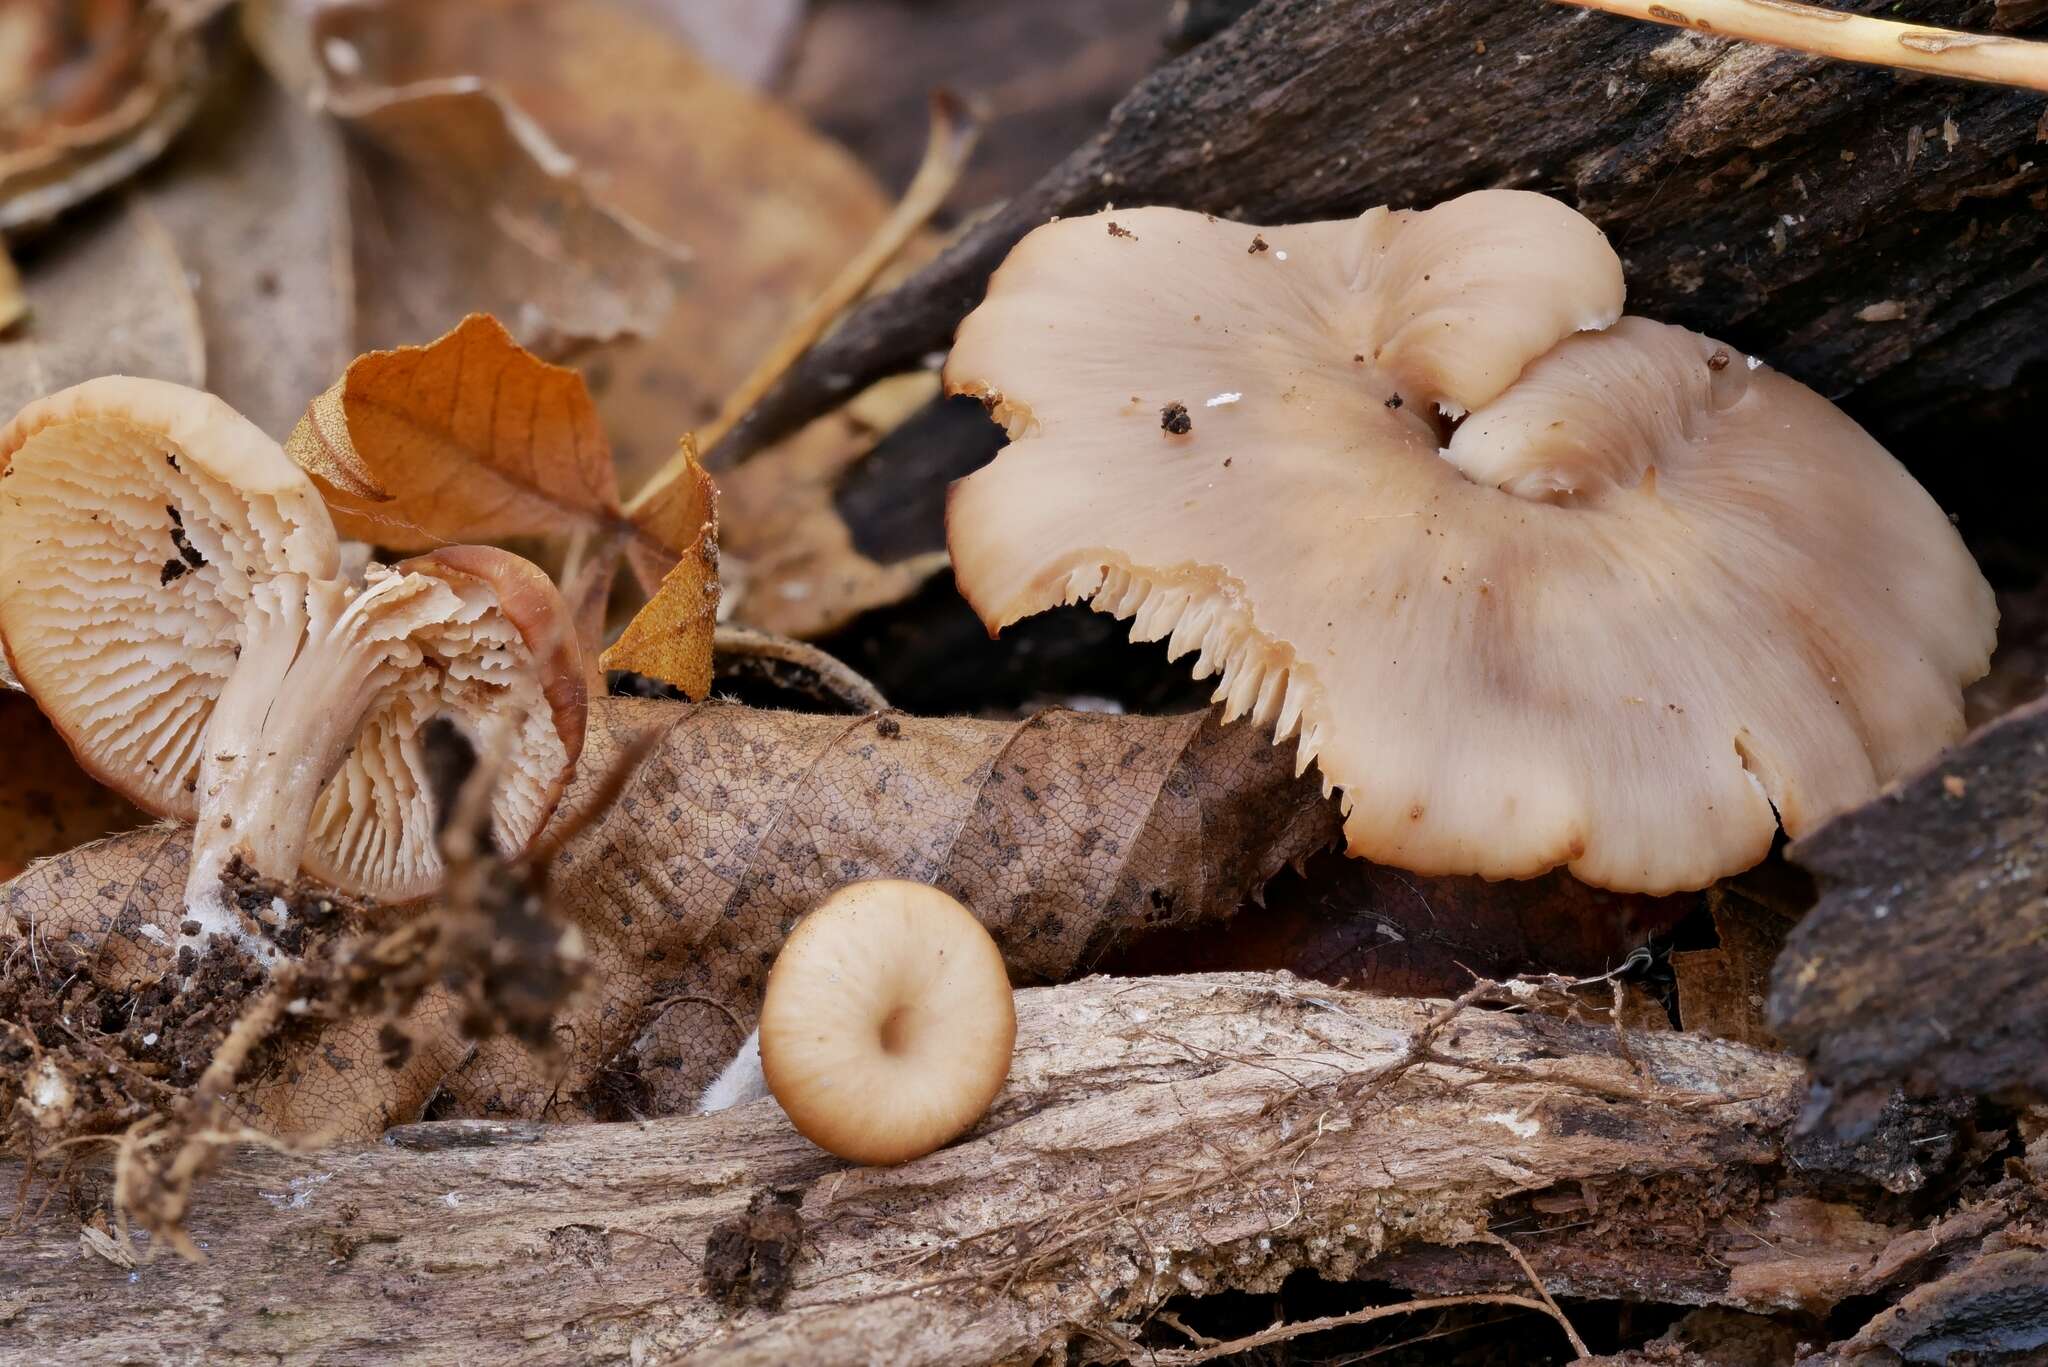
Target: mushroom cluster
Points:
(172, 594)
(1535, 584)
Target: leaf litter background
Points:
(645, 194)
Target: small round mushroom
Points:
(887, 1025)
(171, 593)
(1647, 591)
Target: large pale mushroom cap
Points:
(170, 593)
(1650, 589)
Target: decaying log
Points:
(1158, 1136)
(1925, 965)
(1878, 236)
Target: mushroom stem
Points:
(1993, 58)
(315, 656)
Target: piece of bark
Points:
(1156, 1137)
(1767, 197)
(1722, 991)
(1993, 1308)
(1925, 965)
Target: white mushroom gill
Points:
(316, 656)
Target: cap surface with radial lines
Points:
(1648, 589)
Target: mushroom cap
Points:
(125, 654)
(887, 1024)
(1650, 590)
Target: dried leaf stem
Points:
(955, 129)
(1992, 58)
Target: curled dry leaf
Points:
(670, 638)
(108, 297)
(460, 200)
(465, 202)
(255, 198)
(1063, 833)
(771, 210)
(472, 438)
(88, 96)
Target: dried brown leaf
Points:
(255, 197)
(469, 438)
(771, 210)
(473, 438)
(670, 638)
(1063, 832)
(107, 297)
(47, 803)
(88, 96)
(463, 203)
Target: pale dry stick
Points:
(1280, 1333)
(1992, 58)
(955, 128)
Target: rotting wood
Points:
(1772, 198)
(1158, 1137)
(1925, 965)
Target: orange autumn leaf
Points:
(670, 638)
(469, 438)
(473, 438)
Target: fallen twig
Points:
(1848, 37)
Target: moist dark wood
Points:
(1925, 964)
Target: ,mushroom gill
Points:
(1644, 592)
(171, 593)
